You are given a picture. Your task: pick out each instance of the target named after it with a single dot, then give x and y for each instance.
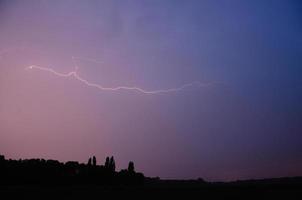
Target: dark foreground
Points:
(51, 179)
(283, 188)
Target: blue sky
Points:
(245, 124)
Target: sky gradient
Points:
(243, 122)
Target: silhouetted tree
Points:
(107, 163)
(2, 161)
(94, 161)
(40, 171)
(112, 164)
(2, 158)
(89, 162)
(131, 167)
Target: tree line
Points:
(41, 171)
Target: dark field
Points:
(285, 188)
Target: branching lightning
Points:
(75, 75)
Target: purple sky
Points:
(246, 123)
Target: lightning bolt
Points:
(75, 75)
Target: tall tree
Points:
(107, 163)
(94, 161)
(112, 164)
(131, 167)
